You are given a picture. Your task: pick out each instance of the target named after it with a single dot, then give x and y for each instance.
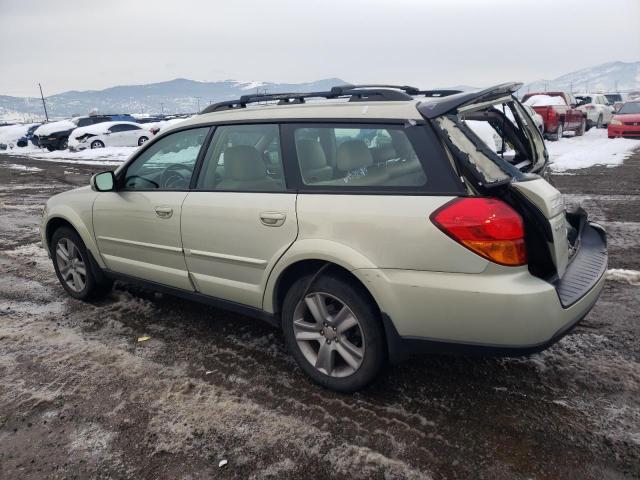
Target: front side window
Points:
(343, 156)
(243, 158)
(168, 163)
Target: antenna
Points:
(44, 105)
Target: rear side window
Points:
(333, 156)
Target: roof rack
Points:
(355, 93)
(436, 93)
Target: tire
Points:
(70, 260)
(352, 357)
(97, 144)
(582, 129)
(599, 124)
(142, 141)
(64, 144)
(49, 148)
(559, 132)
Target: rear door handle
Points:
(164, 212)
(272, 219)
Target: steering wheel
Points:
(155, 185)
(176, 176)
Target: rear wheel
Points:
(72, 265)
(334, 332)
(559, 132)
(97, 144)
(600, 123)
(582, 128)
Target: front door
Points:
(137, 227)
(240, 219)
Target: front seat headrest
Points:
(311, 154)
(243, 162)
(353, 154)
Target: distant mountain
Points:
(175, 96)
(608, 77)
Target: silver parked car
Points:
(369, 224)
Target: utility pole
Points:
(162, 108)
(571, 86)
(198, 100)
(44, 105)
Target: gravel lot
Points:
(80, 397)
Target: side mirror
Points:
(103, 182)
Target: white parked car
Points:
(596, 106)
(109, 134)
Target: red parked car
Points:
(558, 113)
(626, 123)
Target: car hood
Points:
(434, 107)
(628, 117)
(49, 128)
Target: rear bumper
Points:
(503, 311)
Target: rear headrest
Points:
(353, 154)
(243, 162)
(311, 154)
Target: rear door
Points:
(240, 217)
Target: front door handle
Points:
(272, 219)
(164, 212)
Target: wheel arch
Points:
(72, 220)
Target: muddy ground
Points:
(81, 398)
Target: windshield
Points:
(613, 97)
(631, 107)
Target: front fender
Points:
(313, 249)
(81, 222)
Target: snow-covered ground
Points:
(98, 156)
(593, 148)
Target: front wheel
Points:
(334, 332)
(72, 266)
(600, 123)
(97, 144)
(142, 141)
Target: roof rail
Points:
(436, 93)
(355, 93)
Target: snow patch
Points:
(631, 277)
(24, 168)
(593, 148)
(96, 156)
(544, 101)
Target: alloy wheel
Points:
(71, 265)
(329, 334)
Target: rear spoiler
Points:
(436, 106)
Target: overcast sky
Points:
(83, 45)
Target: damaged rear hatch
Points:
(498, 152)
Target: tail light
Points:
(590, 107)
(486, 226)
